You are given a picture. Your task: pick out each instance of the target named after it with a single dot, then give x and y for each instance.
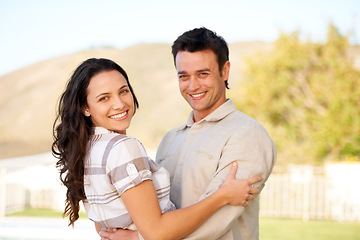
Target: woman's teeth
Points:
(118, 115)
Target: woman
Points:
(111, 172)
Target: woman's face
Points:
(110, 103)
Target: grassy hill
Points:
(29, 95)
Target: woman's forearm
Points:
(142, 204)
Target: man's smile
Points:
(197, 96)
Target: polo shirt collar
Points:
(99, 130)
(219, 113)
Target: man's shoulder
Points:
(176, 129)
(239, 119)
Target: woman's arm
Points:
(98, 227)
(142, 204)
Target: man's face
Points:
(200, 81)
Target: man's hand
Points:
(118, 234)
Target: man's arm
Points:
(120, 234)
(255, 154)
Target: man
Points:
(198, 154)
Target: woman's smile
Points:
(119, 115)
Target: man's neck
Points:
(198, 116)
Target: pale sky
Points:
(36, 30)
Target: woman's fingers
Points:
(254, 190)
(233, 170)
(250, 197)
(246, 184)
(254, 180)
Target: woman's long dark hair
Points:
(72, 128)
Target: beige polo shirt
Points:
(198, 157)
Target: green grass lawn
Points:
(270, 228)
(40, 212)
(281, 229)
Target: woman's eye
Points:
(103, 99)
(124, 91)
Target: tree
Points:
(308, 97)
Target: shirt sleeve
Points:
(255, 154)
(128, 165)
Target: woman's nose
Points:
(118, 103)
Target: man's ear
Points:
(86, 111)
(226, 70)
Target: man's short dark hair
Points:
(200, 39)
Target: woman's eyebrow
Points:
(106, 93)
(101, 94)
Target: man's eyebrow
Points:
(198, 71)
(203, 70)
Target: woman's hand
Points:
(239, 192)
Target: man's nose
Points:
(193, 84)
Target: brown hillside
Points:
(29, 95)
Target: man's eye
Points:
(182, 77)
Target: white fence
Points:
(30, 182)
(305, 192)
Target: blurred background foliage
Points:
(307, 95)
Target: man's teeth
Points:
(118, 115)
(197, 95)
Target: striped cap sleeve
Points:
(127, 164)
